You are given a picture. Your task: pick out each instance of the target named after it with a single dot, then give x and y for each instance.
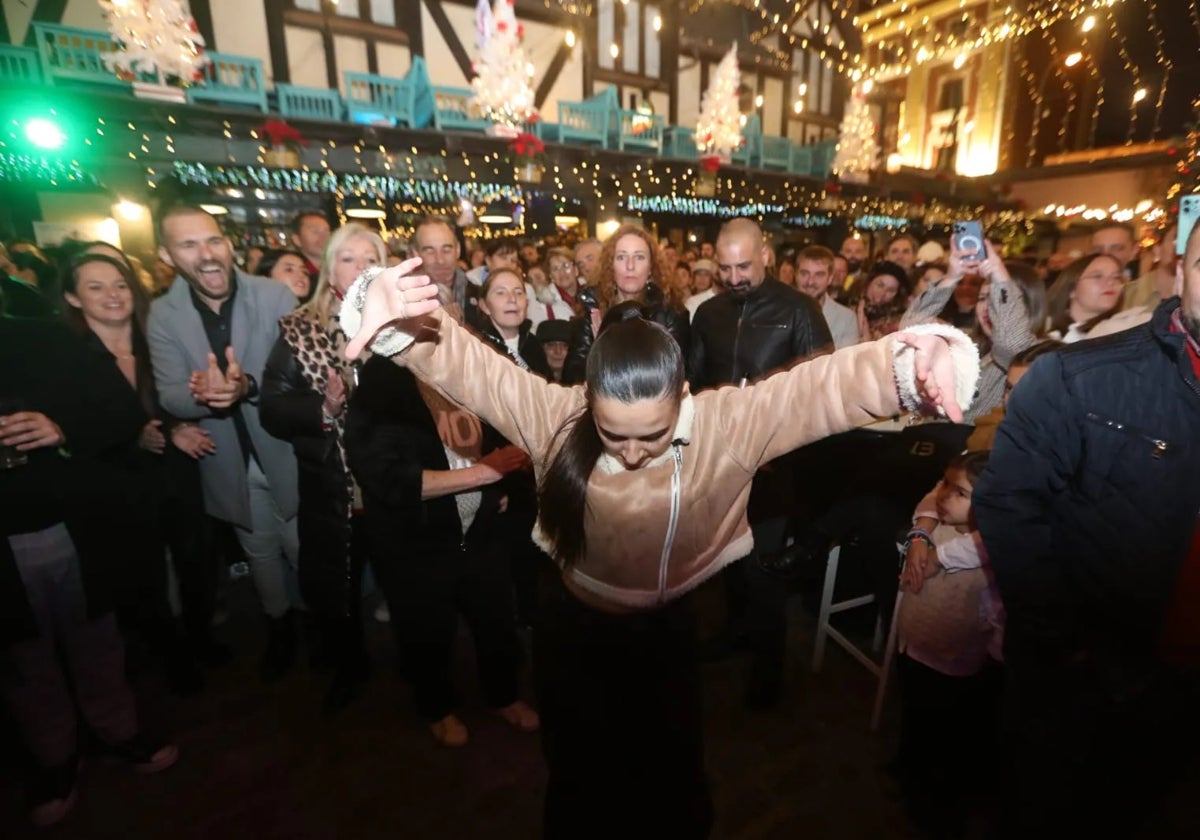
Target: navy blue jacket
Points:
(1090, 499)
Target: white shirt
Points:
(693, 303)
(843, 323)
(539, 310)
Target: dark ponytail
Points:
(562, 496)
(631, 360)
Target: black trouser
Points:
(1096, 747)
(622, 728)
(757, 607)
(188, 533)
(950, 738)
(425, 593)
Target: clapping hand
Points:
(394, 295)
(217, 389)
(934, 371)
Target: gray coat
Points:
(178, 346)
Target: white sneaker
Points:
(382, 613)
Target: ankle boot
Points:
(281, 647)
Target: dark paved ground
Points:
(260, 761)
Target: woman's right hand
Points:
(959, 265)
(916, 559)
(394, 295)
(192, 441)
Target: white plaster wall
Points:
(688, 106)
(240, 28)
(394, 60)
(351, 54)
(306, 57)
(773, 105)
(443, 69)
(85, 14)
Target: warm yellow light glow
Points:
(960, 60)
(570, 38)
(868, 86)
(614, 50)
(758, 101)
(658, 23)
(1073, 59)
(214, 209)
(128, 210)
(607, 228)
(1139, 95)
(803, 89)
(798, 107)
(1089, 23)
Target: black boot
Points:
(281, 648)
(353, 664)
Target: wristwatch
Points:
(252, 387)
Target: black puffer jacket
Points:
(529, 347)
(673, 318)
(1089, 501)
(745, 336)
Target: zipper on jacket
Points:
(1160, 445)
(672, 524)
(737, 339)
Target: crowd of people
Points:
(572, 438)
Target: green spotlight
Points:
(44, 133)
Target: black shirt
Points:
(218, 327)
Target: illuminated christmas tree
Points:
(857, 149)
(719, 129)
(503, 73)
(157, 37)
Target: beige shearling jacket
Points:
(657, 532)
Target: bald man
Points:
(755, 326)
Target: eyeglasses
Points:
(566, 266)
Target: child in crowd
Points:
(950, 626)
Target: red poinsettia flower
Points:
(528, 147)
(279, 133)
(710, 163)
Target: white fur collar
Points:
(683, 435)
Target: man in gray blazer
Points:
(209, 336)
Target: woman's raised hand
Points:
(394, 295)
(934, 370)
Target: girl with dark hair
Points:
(1086, 292)
(642, 492)
(289, 268)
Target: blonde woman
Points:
(305, 388)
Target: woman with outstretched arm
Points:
(642, 496)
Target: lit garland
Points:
(388, 187)
(684, 206)
(25, 169)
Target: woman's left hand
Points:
(934, 371)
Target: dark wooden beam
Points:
(450, 36)
(328, 16)
(553, 71)
(669, 58)
(276, 42)
(408, 15)
(202, 12)
(44, 11)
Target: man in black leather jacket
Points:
(755, 326)
(1088, 511)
